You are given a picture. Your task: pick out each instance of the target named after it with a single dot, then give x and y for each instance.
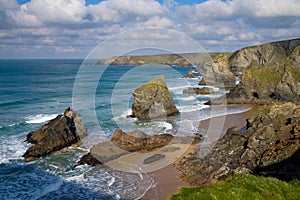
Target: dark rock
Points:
(190, 75)
(154, 158)
(89, 159)
(153, 100)
(63, 131)
(203, 91)
(269, 146)
(202, 82)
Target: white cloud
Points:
(63, 26)
(252, 9)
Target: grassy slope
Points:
(243, 186)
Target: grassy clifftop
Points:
(244, 186)
(187, 59)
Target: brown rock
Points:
(123, 143)
(268, 147)
(153, 100)
(203, 91)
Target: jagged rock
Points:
(191, 74)
(204, 91)
(268, 148)
(63, 131)
(153, 100)
(276, 79)
(202, 82)
(216, 71)
(88, 159)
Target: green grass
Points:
(244, 187)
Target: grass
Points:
(244, 187)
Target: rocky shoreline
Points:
(269, 144)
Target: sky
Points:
(72, 28)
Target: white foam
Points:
(191, 108)
(40, 118)
(189, 98)
(75, 178)
(111, 182)
(12, 148)
(166, 125)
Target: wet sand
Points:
(167, 181)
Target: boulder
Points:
(123, 143)
(203, 91)
(153, 100)
(269, 146)
(63, 131)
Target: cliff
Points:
(269, 54)
(163, 59)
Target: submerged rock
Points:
(63, 131)
(154, 158)
(270, 146)
(153, 100)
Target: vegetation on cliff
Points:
(243, 186)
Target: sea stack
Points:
(63, 131)
(153, 100)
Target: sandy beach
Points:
(167, 181)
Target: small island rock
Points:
(153, 100)
(63, 131)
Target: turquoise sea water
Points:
(35, 91)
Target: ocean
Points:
(34, 91)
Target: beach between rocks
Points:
(167, 180)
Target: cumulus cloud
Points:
(257, 12)
(71, 27)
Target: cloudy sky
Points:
(72, 28)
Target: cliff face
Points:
(265, 55)
(216, 71)
(278, 78)
(163, 59)
(269, 146)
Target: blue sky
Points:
(72, 28)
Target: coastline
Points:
(167, 180)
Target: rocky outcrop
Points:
(270, 54)
(216, 71)
(269, 146)
(266, 82)
(153, 100)
(203, 91)
(63, 131)
(192, 74)
(123, 143)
